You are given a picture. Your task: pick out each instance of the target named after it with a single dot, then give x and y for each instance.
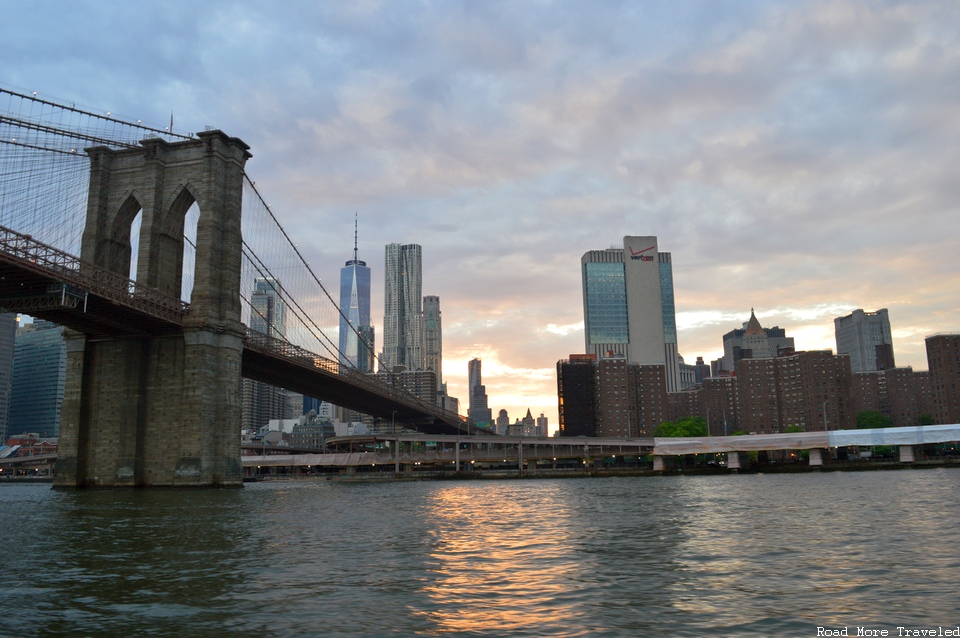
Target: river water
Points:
(738, 555)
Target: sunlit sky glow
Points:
(795, 157)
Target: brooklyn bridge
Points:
(141, 242)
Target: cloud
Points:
(795, 157)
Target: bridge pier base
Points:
(151, 412)
(906, 454)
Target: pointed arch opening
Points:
(135, 227)
(123, 247)
(191, 221)
(172, 264)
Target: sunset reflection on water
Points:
(502, 559)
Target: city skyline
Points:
(796, 158)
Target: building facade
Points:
(943, 360)
(896, 392)
(263, 402)
(8, 337)
(543, 427)
(575, 395)
(478, 409)
(865, 336)
(628, 305)
(37, 381)
(402, 307)
(355, 330)
(503, 423)
(753, 342)
(420, 383)
(610, 397)
(433, 337)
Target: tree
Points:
(793, 428)
(687, 426)
(868, 419)
(926, 419)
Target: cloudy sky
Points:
(800, 158)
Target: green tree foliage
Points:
(926, 419)
(793, 428)
(868, 419)
(688, 426)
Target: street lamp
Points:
(824, 410)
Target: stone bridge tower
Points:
(161, 410)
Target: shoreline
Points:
(772, 468)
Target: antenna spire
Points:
(355, 257)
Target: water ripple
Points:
(686, 556)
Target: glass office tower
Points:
(355, 312)
(38, 380)
(628, 305)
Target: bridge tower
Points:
(161, 410)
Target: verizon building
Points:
(628, 306)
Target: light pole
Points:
(393, 424)
(824, 409)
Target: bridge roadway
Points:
(47, 283)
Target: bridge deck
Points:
(50, 284)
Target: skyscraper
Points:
(269, 311)
(38, 380)
(628, 305)
(355, 326)
(261, 401)
(433, 337)
(478, 411)
(402, 307)
(865, 336)
(753, 341)
(8, 335)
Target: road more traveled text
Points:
(897, 631)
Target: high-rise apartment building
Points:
(811, 390)
(38, 380)
(433, 337)
(610, 397)
(8, 336)
(261, 401)
(943, 360)
(402, 307)
(893, 392)
(355, 330)
(628, 305)
(865, 336)
(478, 410)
